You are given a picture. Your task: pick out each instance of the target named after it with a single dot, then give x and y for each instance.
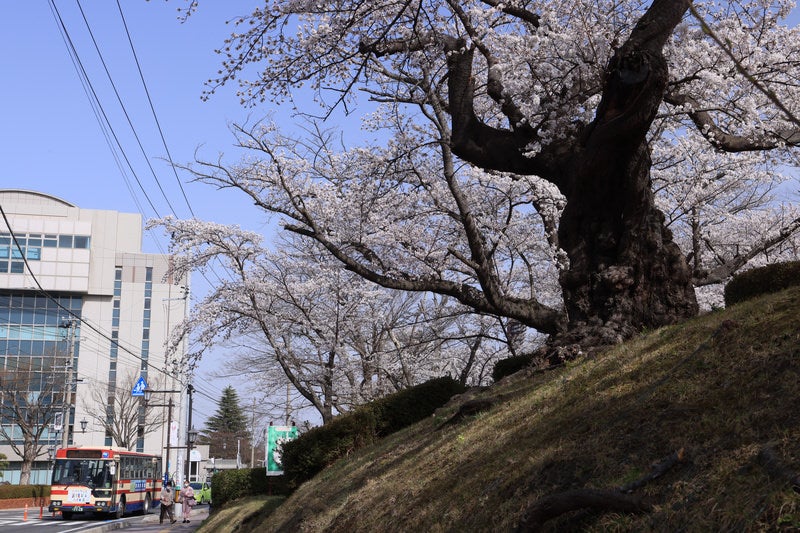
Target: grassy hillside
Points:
(699, 422)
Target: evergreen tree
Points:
(227, 426)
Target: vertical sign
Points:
(276, 436)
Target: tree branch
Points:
(725, 141)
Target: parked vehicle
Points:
(202, 492)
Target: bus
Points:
(104, 481)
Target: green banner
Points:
(276, 436)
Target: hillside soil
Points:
(692, 427)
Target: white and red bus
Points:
(106, 481)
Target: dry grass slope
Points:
(719, 394)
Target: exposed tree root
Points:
(555, 505)
(603, 500)
(470, 408)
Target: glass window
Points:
(34, 254)
(50, 241)
(34, 240)
(3, 266)
(81, 241)
(148, 276)
(5, 251)
(16, 253)
(118, 274)
(17, 267)
(65, 241)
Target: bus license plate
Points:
(76, 508)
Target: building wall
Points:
(126, 306)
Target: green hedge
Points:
(306, 456)
(510, 365)
(8, 492)
(229, 485)
(763, 280)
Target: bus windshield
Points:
(90, 472)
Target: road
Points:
(14, 521)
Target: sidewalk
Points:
(150, 523)
(198, 514)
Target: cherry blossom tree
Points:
(299, 316)
(518, 127)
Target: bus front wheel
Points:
(121, 508)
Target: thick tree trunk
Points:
(626, 273)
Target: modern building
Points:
(84, 315)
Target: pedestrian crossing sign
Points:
(139, 387)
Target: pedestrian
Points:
(187, 500)
(167, 503)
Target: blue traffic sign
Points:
(139, 387)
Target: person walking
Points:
(187, 500)
(167, 503)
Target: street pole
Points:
(169, 405)
(169, 432)
(253, 437)
(187, 468)
(69, 367)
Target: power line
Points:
(124, 109)
(152, 108)
(92, 95)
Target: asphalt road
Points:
(15, 521)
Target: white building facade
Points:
(84, 314)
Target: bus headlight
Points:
(57, 503)
(101, 504)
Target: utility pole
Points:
(169, 405)
(253, 437)
(187, 468)
(71, 324)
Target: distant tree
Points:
(27, 409)
(227, 426)
(121, 414)
(3, 463)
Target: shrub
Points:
(510, 365)
(306, 456)
(763, 280)
(36, 492)
(229, 485)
